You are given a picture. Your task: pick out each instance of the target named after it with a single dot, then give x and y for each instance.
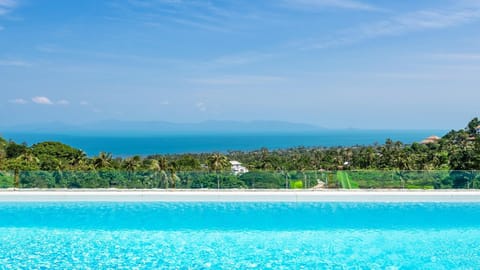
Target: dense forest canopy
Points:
(53, 164)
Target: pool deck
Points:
(241, 195)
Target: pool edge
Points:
(240, 196)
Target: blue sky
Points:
(332, 63)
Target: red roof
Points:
(431, 139)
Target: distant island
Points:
(450, 161)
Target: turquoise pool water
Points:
(113, 235)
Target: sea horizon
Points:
(124, 144)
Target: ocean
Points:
(123, 145)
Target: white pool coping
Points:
(240, 196)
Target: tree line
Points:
(53, 164)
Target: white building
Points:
(237, 167)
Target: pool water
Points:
(101, 235)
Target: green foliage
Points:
(472, 126)
(103, 161)
(13, 150)
(217, 162)
(189, 163)
(262, 179)
(6, 180)
(36, 179)
(211, 180)
(56, 149)
(451, 162)
(3, 142)
(3, 145)
(296, 184)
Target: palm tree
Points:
(173, 168)
(472, 126)
(78, 159)
(163, 178)
(154, 167)
(163, 163)
(266, 161)
(131, 165)
(161, 166)
(3, 152)
(102, 161)
(2, 157)
(217, 162)
(25, 161)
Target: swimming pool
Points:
(239, 235)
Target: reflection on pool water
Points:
(239, 235)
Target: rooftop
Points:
(431, 139)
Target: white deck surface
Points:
(241, 196)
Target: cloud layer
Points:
(420, 20)
(15, 63)
(342, 4)
(6, 6)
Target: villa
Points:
(431, 139)
(237, 167)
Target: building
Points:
(478, 129)
(431, 139)
(237, 167)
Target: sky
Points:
(411, 64)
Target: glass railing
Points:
(345, 179)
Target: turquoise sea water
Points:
(195, 143)
(239, 235)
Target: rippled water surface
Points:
(239, 235)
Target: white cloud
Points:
(42, 100)
(343, 4)
(84, 103)
(14, 63)
(422, 20)
(63, 102)
(1, 28)
(20, 101)
(201, 106)
(165, 102)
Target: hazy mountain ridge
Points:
(156, 127)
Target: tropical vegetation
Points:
(452, 161)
